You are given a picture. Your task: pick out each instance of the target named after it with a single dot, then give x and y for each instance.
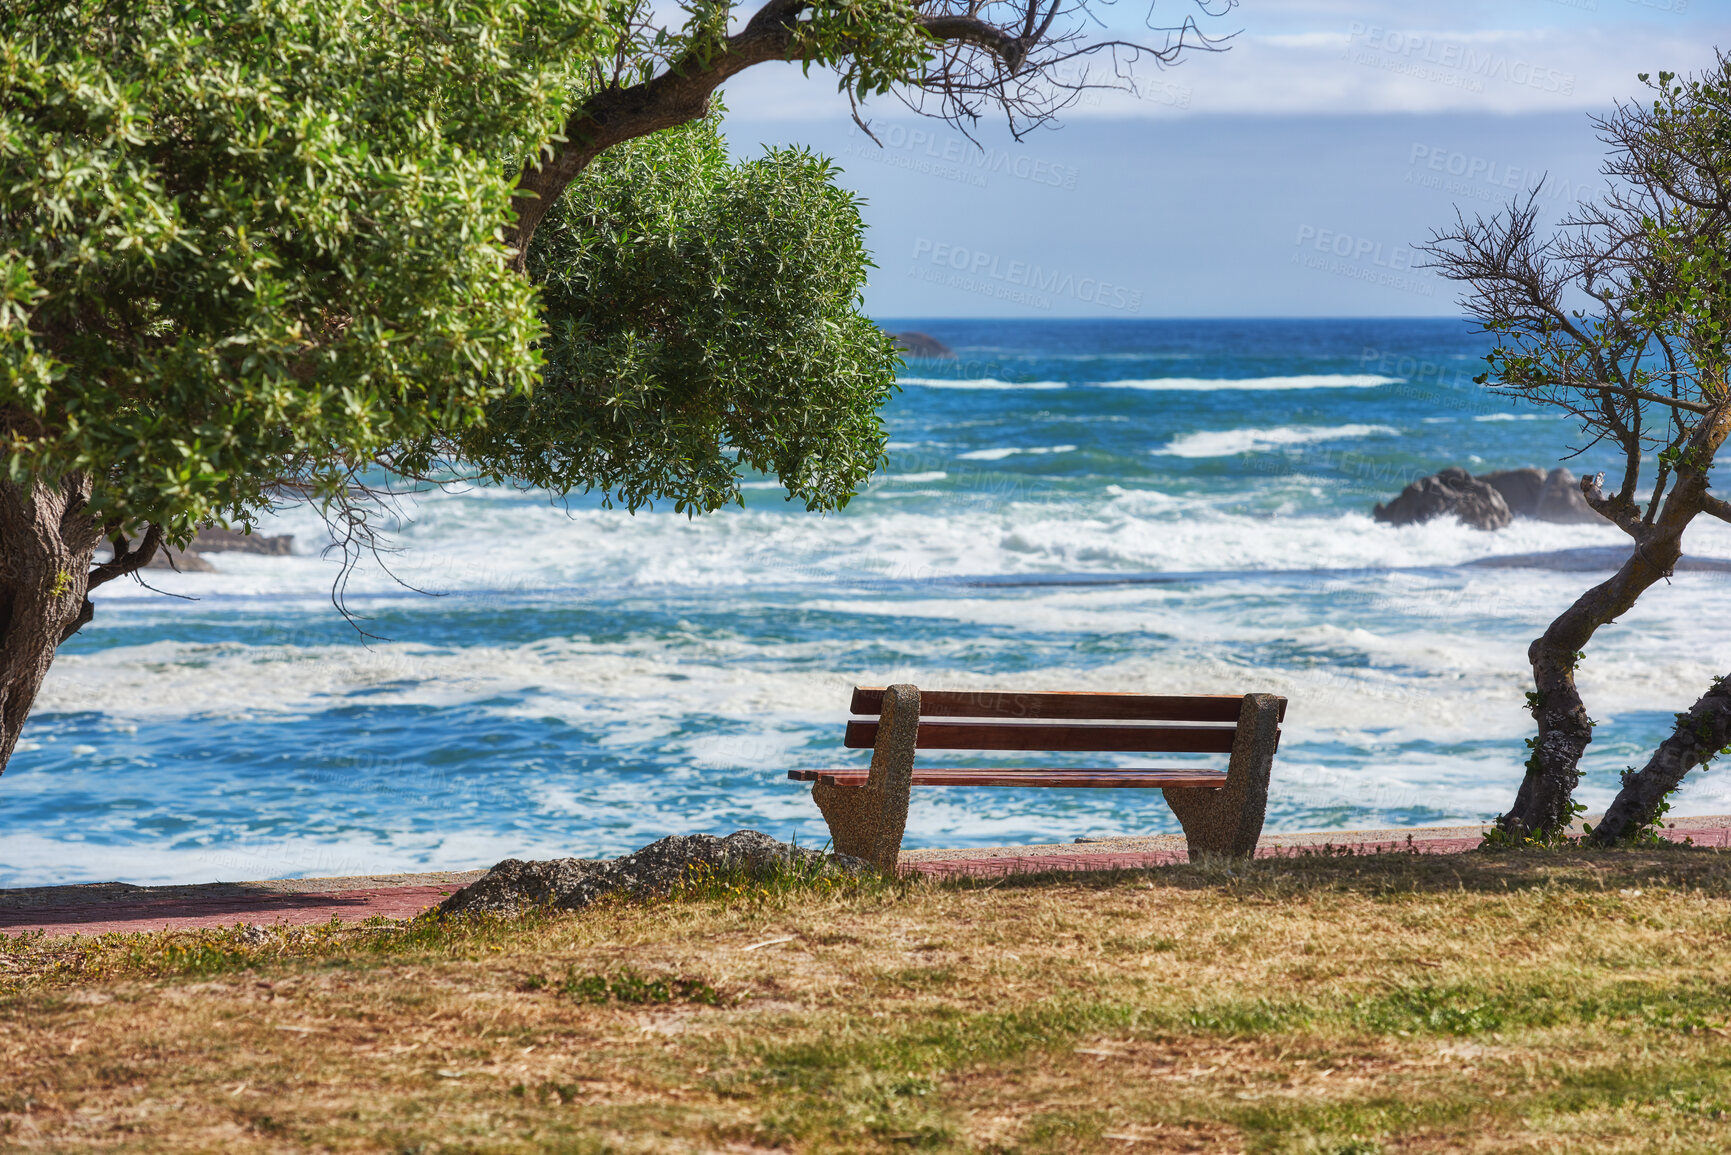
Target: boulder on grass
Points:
(574, 883)
(1455, 492)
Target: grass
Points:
(1535, 1001)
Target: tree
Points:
(239, 256)
(700, 316)
(954, 59)
(1620, 319)
(274, 249)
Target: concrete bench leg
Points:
(1228, 819)
(867, 821)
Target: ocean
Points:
(1151, 506)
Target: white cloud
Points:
(1369, 68)
(1365, 58)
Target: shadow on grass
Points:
(1325, 870)
(31, 959)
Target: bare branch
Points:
(1011, 50)
(1618, 510)
(1643, 395)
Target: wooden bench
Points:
(1221, 811)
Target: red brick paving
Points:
(184, 913)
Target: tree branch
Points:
(1717, 506)
(1641, 395)
(125, 560)
(614, 114)
(1012, 50)
(1618, 510)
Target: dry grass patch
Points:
(1518, 1002)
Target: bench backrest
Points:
(989, 720)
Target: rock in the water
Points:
(215, 539)
(168, 557)
(1520, 488)
(922, 345)
(1453, 491)
(574, 883)
(1561, 500)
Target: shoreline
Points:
(95, 908)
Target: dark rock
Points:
(1520, 488)
(215, 539)
(1561, 500)
(922, 345)
(574, 883)
(1594, 559)
(514, 884)
(1453, 491)
(184, 561)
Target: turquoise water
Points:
(1132, 505)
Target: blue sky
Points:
(1289, 176)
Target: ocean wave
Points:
(1000, 453)
(1253, 384)
(1172, 384)
(979, 383)
(1231, 442)
(527, 550)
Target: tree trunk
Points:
(47, 542)
(1543, 804)
(1700, 734)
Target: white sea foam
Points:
(1402, 662)
(1230, 442)
(1172, 384)
(1000, 454)
(1253, 384)
(1405, 675)
(526, 549)
(979, 383)
(595, 680)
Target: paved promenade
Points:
(107, 907)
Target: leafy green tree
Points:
(1622, 319)
(265, 250)
(241, 255)
(700, 316)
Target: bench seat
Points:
(1221, 811)
(1076, 777)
